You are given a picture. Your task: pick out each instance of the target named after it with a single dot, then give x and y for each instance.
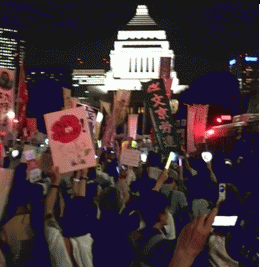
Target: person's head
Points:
(153, 208)
(109, 201)
(75, 220)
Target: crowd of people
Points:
(116, 215)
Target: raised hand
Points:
(192, 240)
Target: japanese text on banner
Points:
(162, 118)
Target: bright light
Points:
(251, 58)
(143, 157)
(99, 117)
(46, 141)
(225, 221)
(206, 156)
(219, 120)
(42, 145)
(15, 153)
(10, 114)
(210, 132)
(16, 120)
(232, 62)
(226, 117)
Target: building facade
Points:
(135, 59)
(10, 44)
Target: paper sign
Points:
(6, 178)
(70, 139)
(130, 157)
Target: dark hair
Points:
(75, 217)
(109, 199)
(151, 204)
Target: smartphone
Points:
(225, 221)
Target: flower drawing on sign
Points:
(162, 113)
(67, 129)
(154, 87)
(169, 140)
(166, 127)
(157, 101)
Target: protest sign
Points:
(6, 178)
(130, 157)
(132, 125)
(70, 139)
(165, 72)
(162, 118)
(7, 82)
(121, 106)
(196, 126)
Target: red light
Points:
(210, 132)
(219, 120)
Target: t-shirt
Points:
(58, 252)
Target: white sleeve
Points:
(57, 248)
(170, 228)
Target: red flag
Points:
(22, 100)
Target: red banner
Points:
(22, 100)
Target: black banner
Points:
(161, 116)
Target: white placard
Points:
(130, 157)
(70, 139)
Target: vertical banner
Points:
(196, 126)
(121, 106)
(165, 73)
(31, 126)
(161, 116)
(132, 125)
(70, 139)
(109, 134)
(91, 117)
(7, 83)
(22, 100)
(67, 98)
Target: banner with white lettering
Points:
(162, 118)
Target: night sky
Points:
(203, 35)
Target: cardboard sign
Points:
(6, 178)
(130, 157)
(70, 139)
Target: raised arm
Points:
(212, 175)
(161, 180)
(53, 192)
(192, 240)
(82, 183)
